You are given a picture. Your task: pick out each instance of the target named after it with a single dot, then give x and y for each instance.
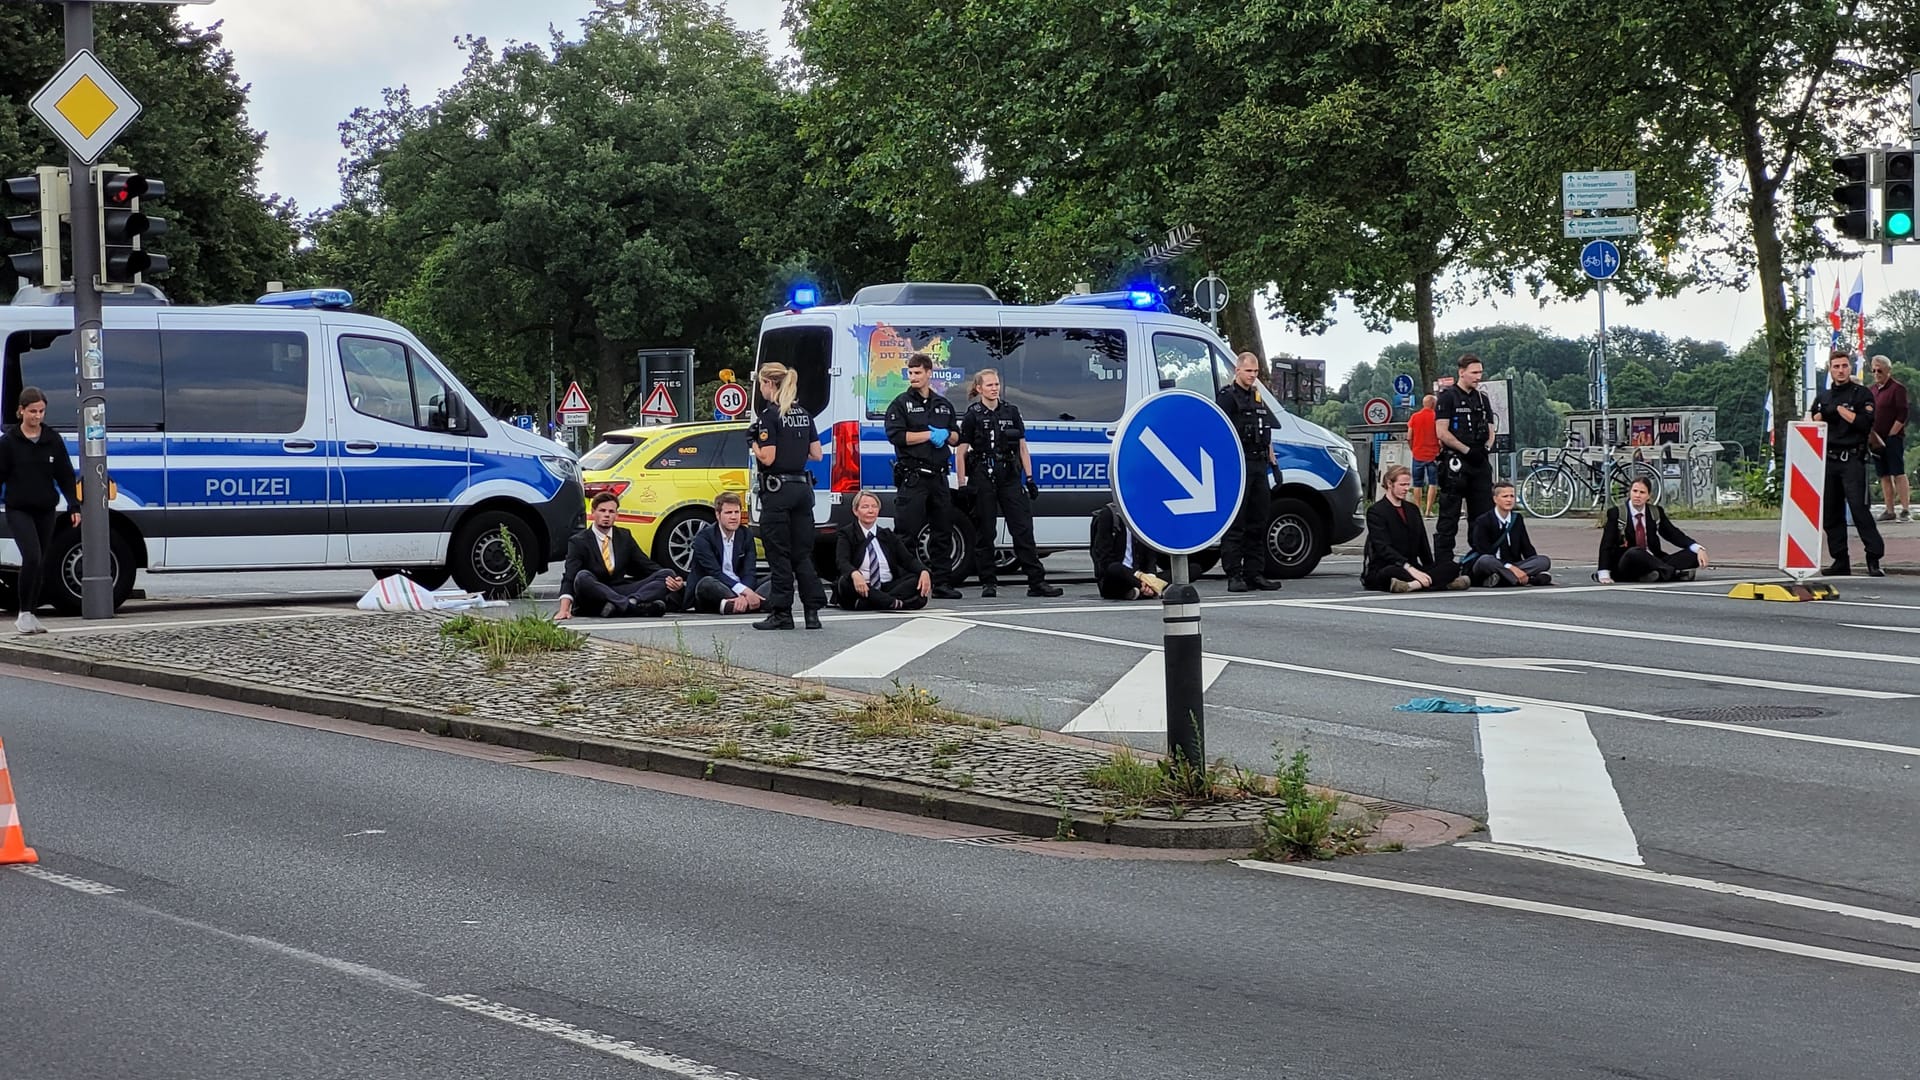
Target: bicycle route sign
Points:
(1600, 259)
(1378, 411)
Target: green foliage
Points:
(519, 636)
(1303, 828)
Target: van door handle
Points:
(362, 447)
(297, 446)
(1112, 431)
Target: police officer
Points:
(1243, 551)
(1463, 419)
(993, 458)
(784, 439)
(920, 426)
(1847, 407)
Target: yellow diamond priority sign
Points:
(85, 106)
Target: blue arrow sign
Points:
(1403, 384)
(1178, 471)
(1600, 259)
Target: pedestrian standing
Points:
(35, 471)
(784, 438)
(1426, 455)
(920, 425)
(1243, 550)
(1463, 424)
(996, 468)
(1847, 408)
(1888, 440)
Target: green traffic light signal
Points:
(1899, 225)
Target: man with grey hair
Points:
(1888, 440)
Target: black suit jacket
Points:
(1485, 539)
(1393, 541)
(1617, 535)
(707, 552)
(1107, 544)
(583, 553)
(850, 550)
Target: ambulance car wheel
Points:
(427, 577)
(63, 582)
(673, 540)
(492, 555)
(1293, 539)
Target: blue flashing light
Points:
(803, 297)
(331, 299)
(1141, 298)
(1124, 299)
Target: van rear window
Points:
(807, 350)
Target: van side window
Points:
(1185, 363)
(808, 350)
(44, 358)
(248, 382)
(957, 351)
(1074, 373)
(388, 381)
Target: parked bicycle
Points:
(1553, 487)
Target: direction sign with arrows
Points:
(1178, 472)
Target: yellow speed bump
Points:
(1789, 593)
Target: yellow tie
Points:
(606, 550)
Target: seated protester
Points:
(608, 574)
(1630, 543)
(1125, 567)
(878, 572)
(724, 564)
(1398, 557)
(1502, 553)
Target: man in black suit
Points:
(1126, 568)
(1398, 556)
(724, 565)
(1630, 543)
(610, 575)
(877, 571)
(1502, 552)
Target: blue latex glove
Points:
(937, 436)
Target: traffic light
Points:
(1896, 213)
(124, 229)
(1853, 196)
(46, 189)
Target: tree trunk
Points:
(1429, 346)
(1783, 351)
(614, 362)
(1240, 325)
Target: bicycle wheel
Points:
(1547, 493)
(1623, 476)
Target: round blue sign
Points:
(1178, 471)
(1403, 384)
(1600, 259)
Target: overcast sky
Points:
(310, 64)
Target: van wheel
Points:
(64, 576)
(961, 568)
(673, 540)
(427, 577)
(1295, 539)
(491, 556)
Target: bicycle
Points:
(1550, 489)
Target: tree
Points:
(226, 240)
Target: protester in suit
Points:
(1124, 566)
(724, 563)
(1630, 542)
(1398, 556)
(608, 574)
(1502, 553)
(878, 572)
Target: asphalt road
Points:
(300, 903)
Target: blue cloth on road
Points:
(1440, 704)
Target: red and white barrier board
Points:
(1800, 498)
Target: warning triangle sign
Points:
(659, 403)
(575, 401)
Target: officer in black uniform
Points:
(1463, 419)
(1847, 407)
(784, 439)
(993, 458)
(920, 426)
(1243, 551)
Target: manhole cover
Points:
(1750, 714)
(994, 841)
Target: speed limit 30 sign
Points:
(730, 400)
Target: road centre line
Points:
(1888, 629)
(1553, 665)
(1704, 884)
(1591, 915)
(1406, 684)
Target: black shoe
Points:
(1235, 584)
(812, 616)
(1044, 589)
(1263, 584)
(652, 609)
(776, 620)
(987, 591)
(1683, 575)
(1541, 578)
(946, 592)
(912, 603)
(608, 611)
(1873, 568)
(1838, 569)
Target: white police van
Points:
(1073, 367)
(290, 434)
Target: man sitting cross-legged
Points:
(608, 574)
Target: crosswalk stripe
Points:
(1138, 702)
(1547, 784)
(883, 654)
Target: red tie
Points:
(1639, 530)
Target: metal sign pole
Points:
(1186, 684)
(1606, 422)
(96, 560)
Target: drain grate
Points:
(1384, 806)
(995, 840)
(1750, 714)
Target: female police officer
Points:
(784, 439)
(994, 459)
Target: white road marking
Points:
(1547, 785)
(367, 832)
(626, 1050)
(1822, 603)
(1138, 702)
(885, 653)
(1704, 884)
(67, 881)
(1888, 629)
(1606, 918)
(1562, 667)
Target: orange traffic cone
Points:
(13, 843)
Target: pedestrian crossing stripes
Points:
(885, 653)
(1138, 702)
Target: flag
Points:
(1857, 304)
(1769, 420)
(1833, 316)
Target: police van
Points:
(1073, 367)
(290, 434)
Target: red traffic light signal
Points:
(124, 229)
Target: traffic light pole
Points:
(96, 569)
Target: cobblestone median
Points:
(685, 700)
